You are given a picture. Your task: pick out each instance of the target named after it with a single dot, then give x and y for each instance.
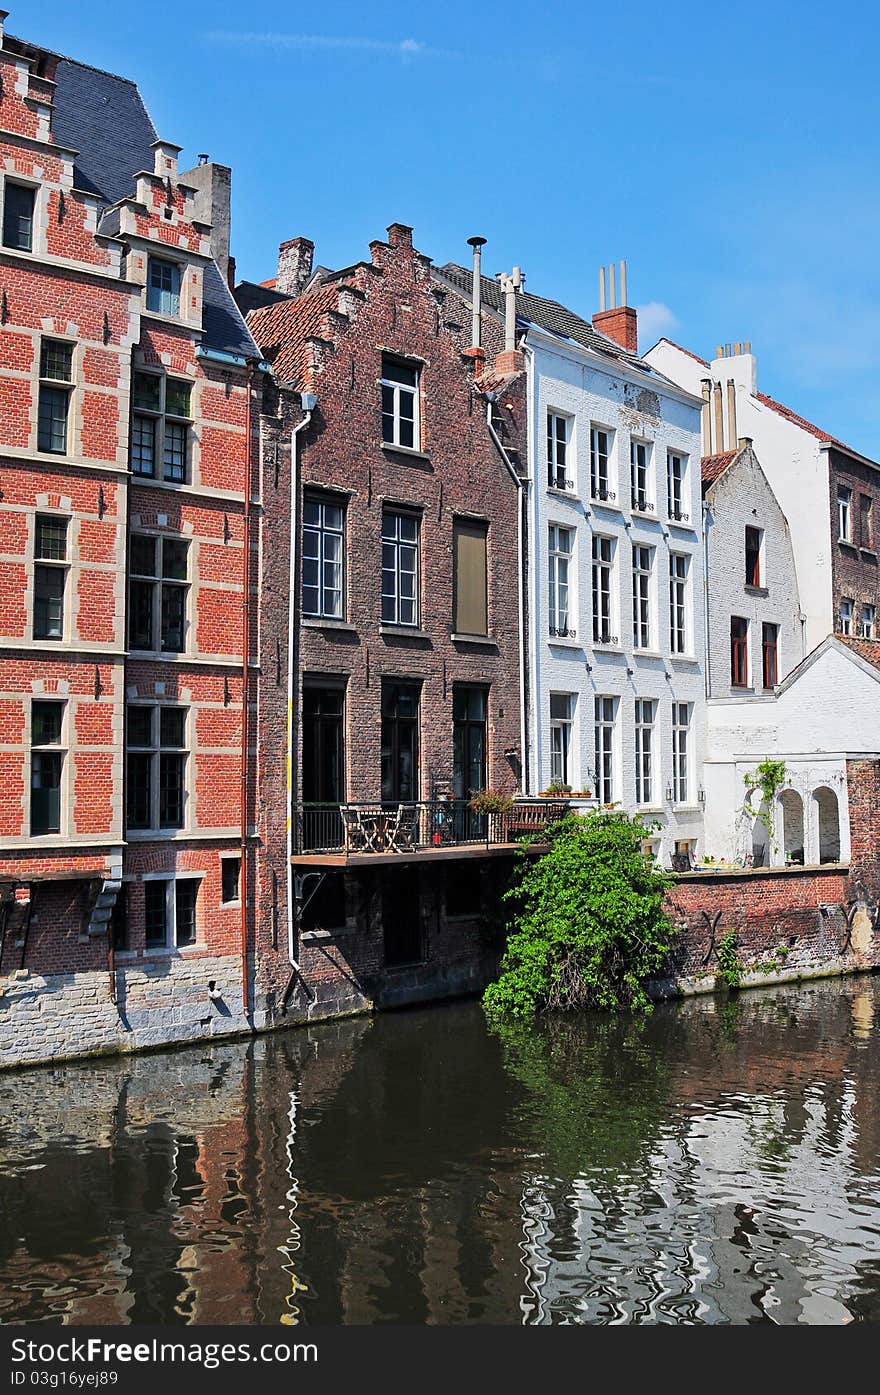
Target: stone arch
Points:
(827, 823)
(791, 813)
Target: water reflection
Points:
(714, 1163)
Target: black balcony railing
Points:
(413, 826)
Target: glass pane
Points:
(177, 397)
(46, 792)
(146, 391)
(140, 726)
(173, 618)
(140, 620)
(396, 372)
(163, 287)
(49, 602)
(171, 769)
(143, 555)
(185, 893)
(311, 513)
(174, 555)
(143, 445)
(51, 539)
(172, 726)
(56, 360)
(333, 517)
(175, 452)
(155, 913)
(46, 719)
(18, 217)
(139, 786)
(52, 425)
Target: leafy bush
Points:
(729, 961)
(588, 921)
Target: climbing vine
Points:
(768, 778)
(729, 961)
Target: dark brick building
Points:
(406, 621)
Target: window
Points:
(638, 456)
(866, 521)
(160, 427)
(644, 749)
(163, 286)
(844, 513)
(681, 718)
(846, 617)
(559, 567)
(158, 579)
(561, 716)
(869, 630)
(18, 217)
(739, 652)
(470, 709)
(599, 469)
(642, 560)
(170, 912)
(470, 599)
(400, 741)
(678, 573)
(603, 561)
(56, 367)
(400, 403)
(675, 474)
(230, 871)
(604, 748)
(400, 568)
(769, 655)
(557, 451)
(50, 576)
(156, 767)
(753, 556)
(323, 550)
(47, 764)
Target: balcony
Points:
(376, 834)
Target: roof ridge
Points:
(66, 58)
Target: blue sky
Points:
(729, 153)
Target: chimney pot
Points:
(203, 159)
(294, 265)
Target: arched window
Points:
(828, 821)
(792, 810)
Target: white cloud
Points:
(272, 39)
(655, 319)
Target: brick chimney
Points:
(294, 265)
(617, 322)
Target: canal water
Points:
(716, 1162)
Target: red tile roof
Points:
(797, 420)
(281, 330)
(711, 466)
(867, 648)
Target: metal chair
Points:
(356, 839)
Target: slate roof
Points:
(103, 117)
(711, 466)
(281, 330)
(548, 314)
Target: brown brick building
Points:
(126, 518)
(406, 619)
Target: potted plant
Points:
(491, 802)
(556, 790)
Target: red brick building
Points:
(406, 679)
(126, 518)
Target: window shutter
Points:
(471, 610)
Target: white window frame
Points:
(644, 719)
(58, 564)
(681, 725)
(561, 748)
(640, 452)
(676, 486)
(38, 229)
(60, 747)
(396, 389)
(602, 587)
(396, 542)
(846, 616)
(324, 535)
(869, 622)
(557, 471)
(679, 628)
(599, 491)
(844, 513)
(159, 582)
(162, 420)
(642, 580)
(604, 741)
(560, 570)
(180, 268)
(155, 751)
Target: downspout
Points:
(520, 505)
(291, 676)
(245, 687)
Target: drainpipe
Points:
(309, 402)
(245, 686)
(520, 505)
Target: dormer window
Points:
(163, 286)
(400, 403)
(18, 217)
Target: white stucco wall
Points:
(589, 389)
(794, 463)
(742, 496)
(826, 711)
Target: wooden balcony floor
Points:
(388, 859)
